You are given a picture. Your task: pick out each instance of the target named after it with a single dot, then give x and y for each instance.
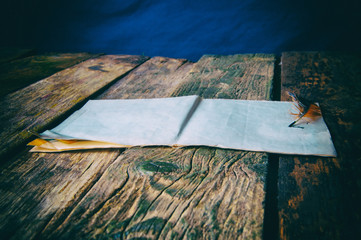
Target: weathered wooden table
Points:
(173, 193)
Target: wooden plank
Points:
(319, 197)
(38, 105)
(158, 77)
(22, 72)
(247, 76)
(39, 191)
(8, 54)
(36, 187)
(149, 192)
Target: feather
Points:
(306, 110)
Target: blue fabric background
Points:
(181, 28)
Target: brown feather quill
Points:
(306, 110)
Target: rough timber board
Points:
(56, 183)
(145, 192)
(36, 106)
(319, 197)
(246, 76)
(158, 77)
(37, 187)
(25, 71)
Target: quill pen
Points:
(306, 110)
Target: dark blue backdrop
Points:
(181, 28)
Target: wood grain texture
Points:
(158, 77)
(22, 72)
(243, 76)
(35, 188)
(171, 193)
(38, 105)
(319, 197)
(153, 192)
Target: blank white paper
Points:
(192, 121)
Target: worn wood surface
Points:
(22, 72)
(319, 198)
(247, 76)
(36, 106)
(158, 77)
(155, 192)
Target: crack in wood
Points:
(127, 221)
(55, 223)
(241, 169)
(236, 159)
(126, 229)
(112, 195)
(189, 197)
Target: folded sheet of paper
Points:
(188, 121)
